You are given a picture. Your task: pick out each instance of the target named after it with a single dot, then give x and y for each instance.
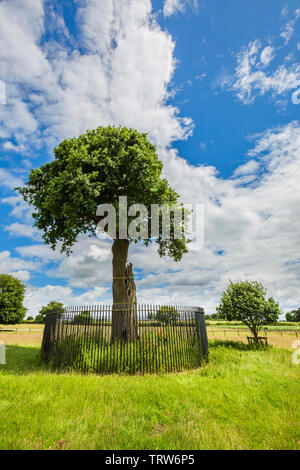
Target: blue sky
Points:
(208, 39)
(215, 84)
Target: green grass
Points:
(153, 352)
(242, 399)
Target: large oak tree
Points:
(98, 168)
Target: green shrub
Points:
(165, 315)
(39, 319)
(83, 318)
(53, 307)
(293, 316)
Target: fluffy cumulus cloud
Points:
(119, 71)
(121, 66)
(15, 266)
(251, 231)
(37, 297)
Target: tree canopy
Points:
(246, 302)
(166, 315)
(293, 316)
(52, 307)
(94, 169)
(12, 293)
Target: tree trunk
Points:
(124, 319)
(255, 332)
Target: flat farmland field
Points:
(277, 337)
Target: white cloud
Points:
(21, 209)
(37, 297)
(22, 230)
(289, 27)
(60, 93)
(90, 264)
(42, 252)
(14, 148)
(255, 228)
(8, 180)
(267, 55)
(248, 168)
(21, 275)
(172, 7)
(15, 266)
(250, 80)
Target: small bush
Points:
(83, 318)
(165, 315)
(53, 307)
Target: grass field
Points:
(278, 339)
(241, 399)
(240, 325)
(224, 331)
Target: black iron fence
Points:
(129, 339)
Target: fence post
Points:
(49, 335)
(201, 330)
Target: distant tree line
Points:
(293, 316)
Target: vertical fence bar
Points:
(198, 330)
(203, 332)
(183, 342)
(189, 336)
(92, 336)
(184, 338)
(77, 338)
(166, 348)
(98, 338)
(66, 349)
(151, 346)
(72, 336)
(107, 340)
(175, 330)
(140, 323)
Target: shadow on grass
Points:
(238, 345)
(22, 360)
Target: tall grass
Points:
(153, 352)
(241, 399)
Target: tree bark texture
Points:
(124, 317)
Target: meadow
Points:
(240, 399)
(281, 335)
